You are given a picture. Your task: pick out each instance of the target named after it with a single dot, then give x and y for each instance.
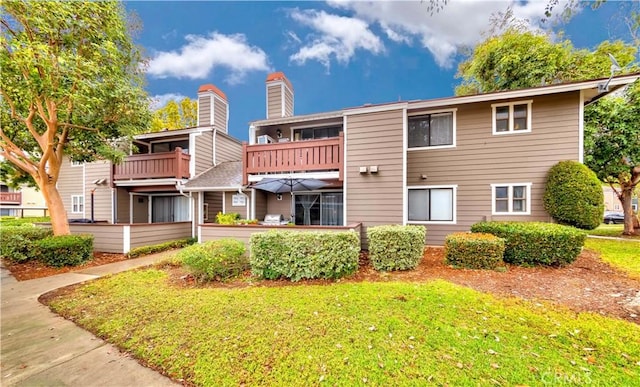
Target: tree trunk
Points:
(59, 221)
(626, 196)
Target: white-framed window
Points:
(77, 204)
(432, 130)
(512, 117)
(238, 200)
(432, 204)
(76, 163)
(511, 199)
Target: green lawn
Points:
(392, 333)
(624, 255)
(612, 230)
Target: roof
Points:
(173, 132)
(279, 76)
(210, 87)
(226, 175)
(590, 86)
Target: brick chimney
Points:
(279, 96)
(213, 108)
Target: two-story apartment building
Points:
(444, 163)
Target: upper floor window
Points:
(511, 198)
(432, 130)
(170, 146)
(316, 133)
(77, 204)
(512, 117)
(431, 204)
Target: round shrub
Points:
(215, 260)
(474, 250)
(573, 195)
(65, 250)
(17, 243)
(396, 247)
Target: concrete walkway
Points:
(39, 348)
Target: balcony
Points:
(293, 157)
(174, 165)
(11, 198)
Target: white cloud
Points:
(459, 24)
(203, 54)
(159, 100)
(334, 37)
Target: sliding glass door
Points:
(321, 209)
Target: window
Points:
(432, 130)
(316, 133)
(432, 204)
(511, 199)
(512, 117)
(76, 163)
(77, 204)
(325, 209)
(238, 200)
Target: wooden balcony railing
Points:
(153, 166)
(11, 197)
(293, 157)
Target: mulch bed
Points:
(588, 284)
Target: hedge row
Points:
(25, 243)
(145, 250)
(395, 247)
(536, 243)
(474, 250)
(297, 255)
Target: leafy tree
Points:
(71, 80)
(612, 146)
(175, 115)
(573, 195)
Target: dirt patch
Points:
(588, 284)
(34, 269)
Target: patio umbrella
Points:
(289, 184)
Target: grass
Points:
(612, 230)
(624, 255)
(13, 221)
(391, 333)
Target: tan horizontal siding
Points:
(481, 159)
(204, 109)
(374, 139)
(227, 148)
(122, 205)
(155, 233)
(261, 204)
(242, 210)
(220, 114)
(107, 238)
(71, 182)
(204, 152)
(214, 199)
(102, 194)
(288, 102)
(274, 101)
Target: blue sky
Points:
(336, 54)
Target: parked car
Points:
(613, 217)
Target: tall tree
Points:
(71, 82)
(612, 146)
(175, 115)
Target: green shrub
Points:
(396, 247)
(536, 243)
(229, 218)
(297, 255)
(146, 250)
(573, 195)
(10, 221)
(215, 260)
(474, 250)
(17, 243)
(65, 250)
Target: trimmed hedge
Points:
(65, 250)
(573, 195)
(215, 260)
(396, 247)
(18, 243)
(146, 250)
(474, 250)
(297, 255)
(536, 243)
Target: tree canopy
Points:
(175, 115)
(71, 82)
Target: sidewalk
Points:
(39, 348)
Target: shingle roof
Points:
(224, 175)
